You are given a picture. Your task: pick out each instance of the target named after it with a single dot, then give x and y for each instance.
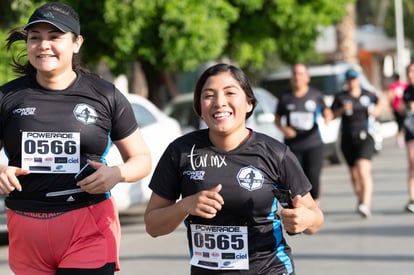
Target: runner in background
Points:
(408, 99)
(395, 97)
(301, 106)
(356, 107)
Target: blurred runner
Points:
(356, 107)
(409, 134)
(301, 106)
(395, 96)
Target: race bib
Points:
(301, 120)
(51, 152)
(220, 247)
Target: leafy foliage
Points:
(178, 35)
(171, 35)
(13, 14)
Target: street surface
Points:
(347, 244)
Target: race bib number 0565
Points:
(219, 247)
(51, 152)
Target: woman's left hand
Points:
(305, 216)
(102, 180)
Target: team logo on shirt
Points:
(85, 113)
(250, 178)
(310, 105)
(364, 100)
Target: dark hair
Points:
(20, 34)
(396, 76)
(238, 75)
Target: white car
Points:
(158, 131)
(262, 119)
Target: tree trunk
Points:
(346, 35)
(162, 85)
(139, 83)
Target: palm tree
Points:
(346, 36)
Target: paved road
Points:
(347, 244)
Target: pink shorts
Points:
(88, 237)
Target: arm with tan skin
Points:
(137, 164)
(377, 109)
(305, 217)
(287, 131)
(163, 216)
(328, 115)
(8, 177)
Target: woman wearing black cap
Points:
(55, 119)
(356, 107)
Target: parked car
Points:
(158, 131)
(262, 119)
(329, 79)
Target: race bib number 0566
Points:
(51, 152)
(219, 247)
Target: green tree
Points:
(284, 30)
(166, 37)
(13, 13)
(162, 38)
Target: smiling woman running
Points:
(226, 176)
(55, 119)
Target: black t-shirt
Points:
(358, 121)
(408, 95)
(408, 98)
(301, 114)
(248, 175)
(46, 121)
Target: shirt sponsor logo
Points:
(209, 264)
(28, 111)
(61, 160)
(250, 178)
(195, 175)
(205, 160)
(85, 113)
(228, 256)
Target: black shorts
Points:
(399, 118)
(354, 148)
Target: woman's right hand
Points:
(8, 178)
(289, 132)
(204, 204)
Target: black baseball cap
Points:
(45, 14)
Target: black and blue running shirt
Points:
(248, 175)
(47, 122)
(301, 114)
(353, 124)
